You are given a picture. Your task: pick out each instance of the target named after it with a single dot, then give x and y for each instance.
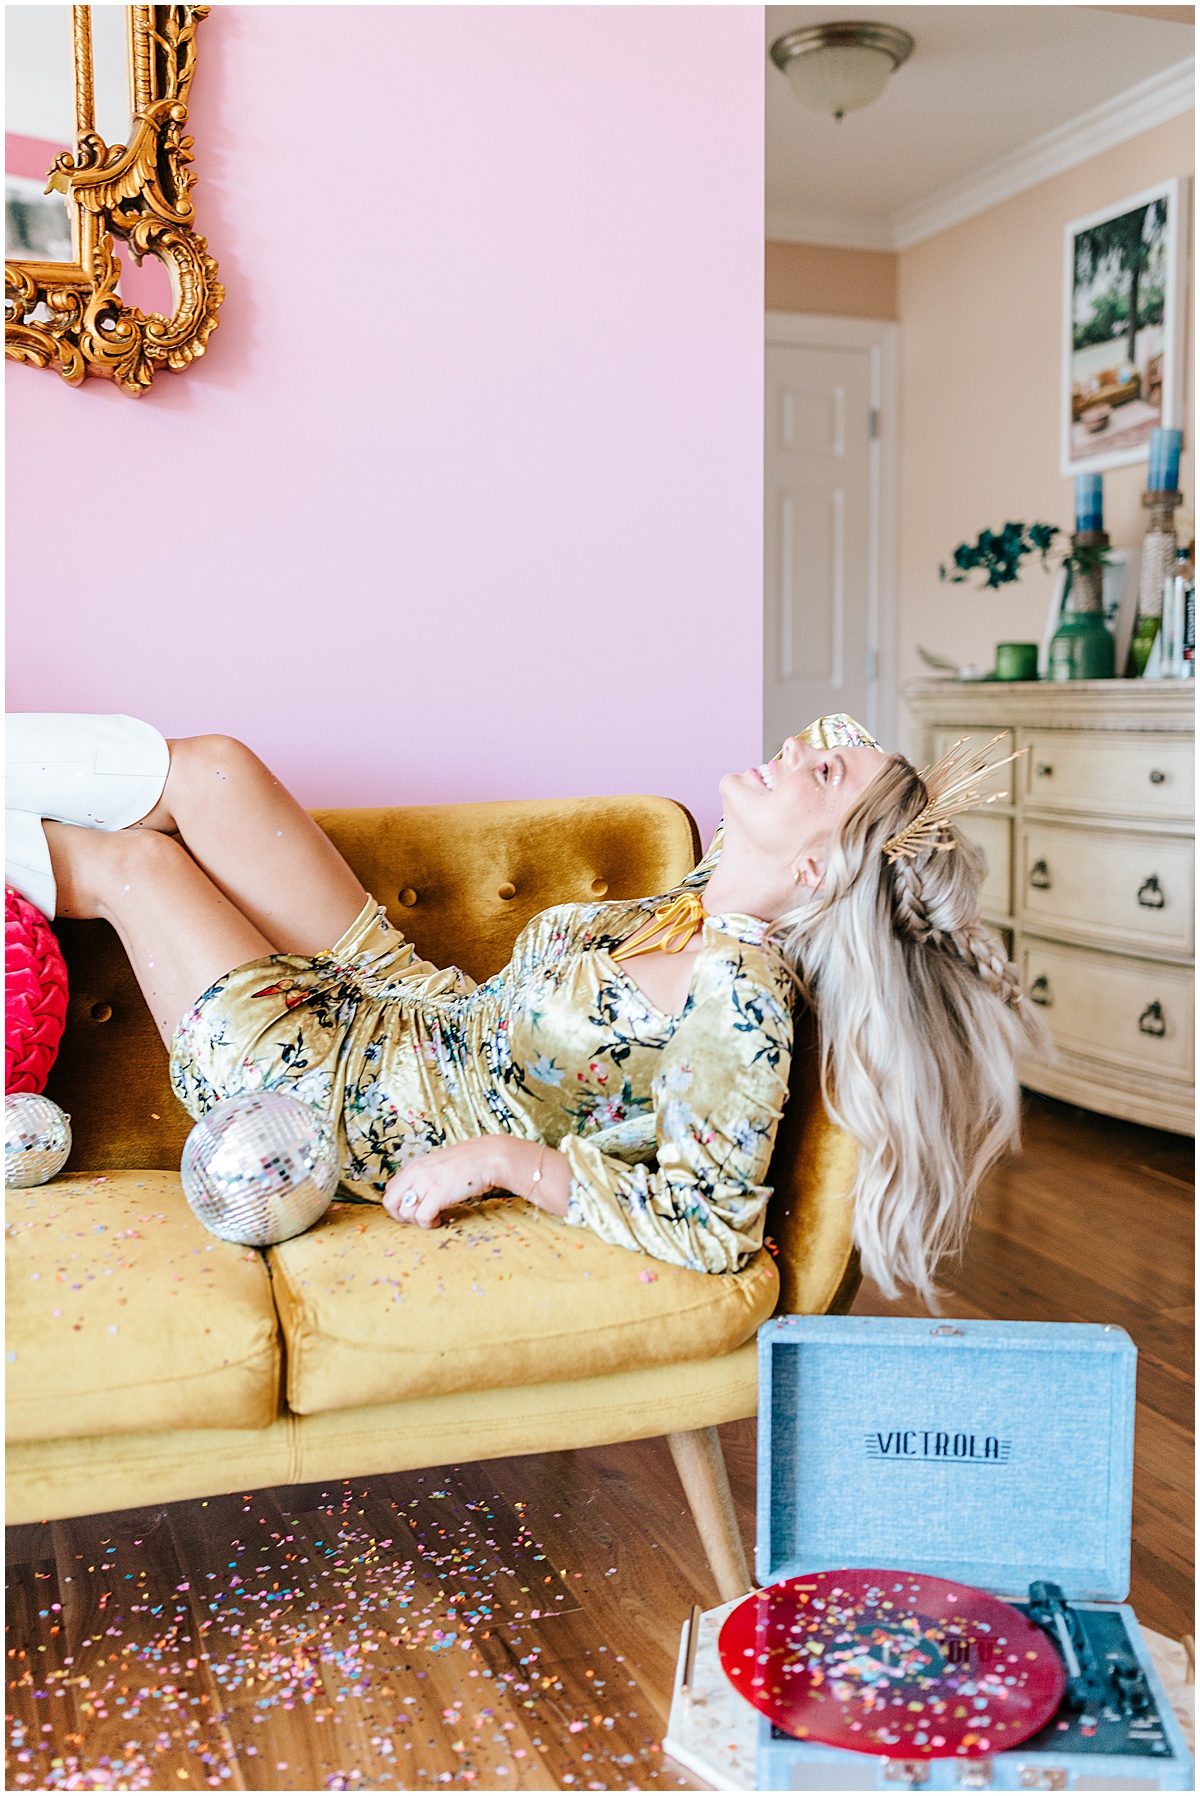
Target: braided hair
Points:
(921, 1024)
(918, 917)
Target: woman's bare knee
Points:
(95, 869)
(205, 773)
(139, 863)
(220, 758)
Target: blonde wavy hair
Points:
(921, 1021)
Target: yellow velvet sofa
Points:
(149, 1362)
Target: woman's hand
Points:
(450, 1175)
(439, 1180)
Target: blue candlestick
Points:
(1163, 473)
(1089, 501)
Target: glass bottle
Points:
(1178, 656)
(1158, 559)
(1082, 648)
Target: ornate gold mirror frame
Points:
(70, 315)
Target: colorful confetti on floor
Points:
(416, 1631)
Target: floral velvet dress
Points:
(667, 1122)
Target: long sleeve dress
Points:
(667, 1122)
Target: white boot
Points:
(100, 772)
(27, 860)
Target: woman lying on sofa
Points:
(628, 1068)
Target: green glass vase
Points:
(1082, 648)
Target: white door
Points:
(821, 622)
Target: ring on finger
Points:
(408, 1201)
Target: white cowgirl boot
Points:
(100, 772)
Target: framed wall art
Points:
(1124, 317)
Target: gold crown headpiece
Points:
(953, 786)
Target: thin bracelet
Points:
(537, 1177)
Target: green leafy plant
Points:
(1000, 553)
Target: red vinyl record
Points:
(894, 1663)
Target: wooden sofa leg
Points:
(700, 1462)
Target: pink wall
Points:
(472, 510)
(29, 156)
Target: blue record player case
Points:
(991, 1453)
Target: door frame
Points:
(881, 339)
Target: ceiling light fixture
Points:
(839, 67)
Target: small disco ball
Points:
(37, 1139)
(260, 1168)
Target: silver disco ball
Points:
(37, 1139)
(260, 1168)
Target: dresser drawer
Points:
(1002, 744)
(1128, 1012)
(1108, 775)
(1132, 890)
(994, 836)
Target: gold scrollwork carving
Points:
(71, 316)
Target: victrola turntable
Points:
(937, 1466)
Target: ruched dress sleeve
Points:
(717, 1100)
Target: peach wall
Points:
(465, 499)
(832, 282)
(980, 347)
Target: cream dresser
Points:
(1090, 872)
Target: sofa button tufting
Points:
(408, 896)
(599, 887)
(507, 890)
(101, 1013)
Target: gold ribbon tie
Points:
(678, 921)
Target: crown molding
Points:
(845, 231)
(1164, 96)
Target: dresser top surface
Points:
(1077, 704)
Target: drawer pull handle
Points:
(1152, 1021)
(1044, 770)
(1039, 992)
(1039, 876)
(1150, 894)
(1157, 776)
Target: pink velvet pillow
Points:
(35, 995)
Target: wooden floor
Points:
(1095, 1224)
(513, 1625)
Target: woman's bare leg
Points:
(251, 875)
(257, 845)
(181, 934)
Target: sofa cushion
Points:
(373, 1311)
(124, 1314)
